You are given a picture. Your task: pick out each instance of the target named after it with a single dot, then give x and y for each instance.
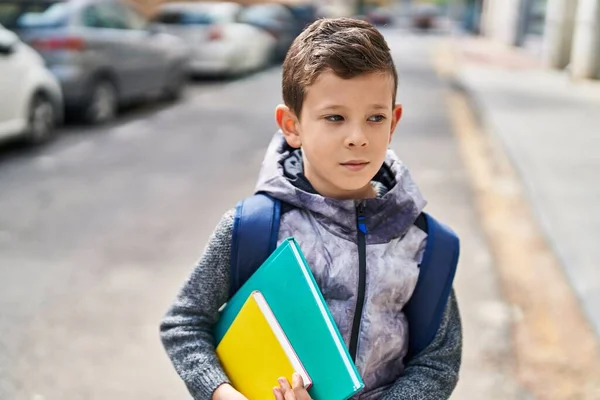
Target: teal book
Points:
(290, 289)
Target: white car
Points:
(220, 45)
(31, 104)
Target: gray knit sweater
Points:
(187, 333)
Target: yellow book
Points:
(255, 351)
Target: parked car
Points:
(424, 16)
(102, 52)
(304, 15)
(30, 97)
(220, 45)
(380, 16)
(276, 19)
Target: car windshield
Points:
(33, 15)
(197, 15)
(184, 18)
(265, 14)
(262, 12)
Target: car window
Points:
(183, 18)
(227, 13)
(8, 13)
(104, 16)
(34, 15)
(265, 14)
(133, 18)
(199, 14)
(255, 13)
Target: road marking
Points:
(556, 349)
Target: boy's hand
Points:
(294, 392)
(227, 392)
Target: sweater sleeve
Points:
(187, 328)
(433, 373)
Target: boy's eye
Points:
(377, 118)
(334, 118)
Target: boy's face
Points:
(344, 131)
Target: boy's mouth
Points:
(355, 165)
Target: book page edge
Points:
(282, 338)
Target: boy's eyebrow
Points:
(380, 106)
(333, 107)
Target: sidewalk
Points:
(550, 127)
(534, 143)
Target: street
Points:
(99, 228)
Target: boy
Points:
(328, 164)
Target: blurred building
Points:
(467, 13)
(568, 30)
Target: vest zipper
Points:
(362, 274)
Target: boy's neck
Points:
(368, 192)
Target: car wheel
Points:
(42, 120)
(102, 106)
(174, 87)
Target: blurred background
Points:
(129, 127)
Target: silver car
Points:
(220, 44)
(30, 96)
(102, 51)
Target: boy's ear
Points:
(288, 123)
(396, 116)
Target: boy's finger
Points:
(290, 395)
(298, 387)
(301, 394)
(278, 394)
(297, 382)
(284, 384)
(286, 389)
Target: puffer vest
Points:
(364, 255)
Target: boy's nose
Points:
(357, 138)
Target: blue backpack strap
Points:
(254, 237)
(426, 307)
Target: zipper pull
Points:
(361, 219)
